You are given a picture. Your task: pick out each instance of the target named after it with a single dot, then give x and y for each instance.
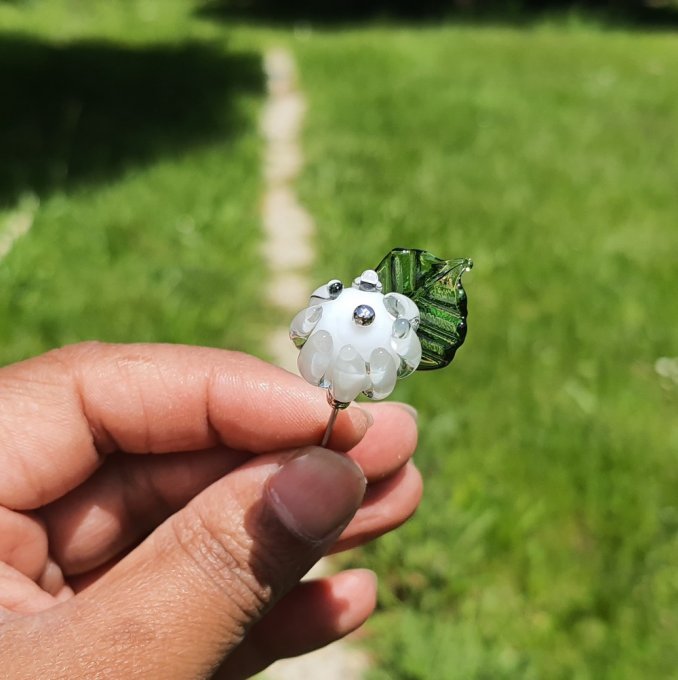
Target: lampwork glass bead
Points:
(345, 331)
(408, 314)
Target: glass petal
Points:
(383, 373)
(410, 352)
(315, 357)
(303, 324)
(349, 374)
(401, 307)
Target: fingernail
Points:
(406, 407)
(316, 495)
(361, 417)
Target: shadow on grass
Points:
(624, 13)
(86, 111)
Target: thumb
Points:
(178, 604)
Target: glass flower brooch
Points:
(408, 314)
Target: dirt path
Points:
(289, 251)
(288, 227)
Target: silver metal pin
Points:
(336, 407)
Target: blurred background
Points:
(538, 138)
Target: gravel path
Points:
(289, 251)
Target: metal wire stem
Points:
(336, 407)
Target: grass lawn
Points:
(130, 132)
(547, 544)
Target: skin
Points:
(141, 529)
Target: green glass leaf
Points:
(435, 286)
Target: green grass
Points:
(130, 130)
(546, 545)
(547, 542)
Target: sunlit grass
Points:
(545, 543)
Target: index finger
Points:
(61, 412)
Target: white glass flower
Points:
(357, 339)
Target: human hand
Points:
(118, 562)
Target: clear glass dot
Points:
(335, 287)
(401, 327)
